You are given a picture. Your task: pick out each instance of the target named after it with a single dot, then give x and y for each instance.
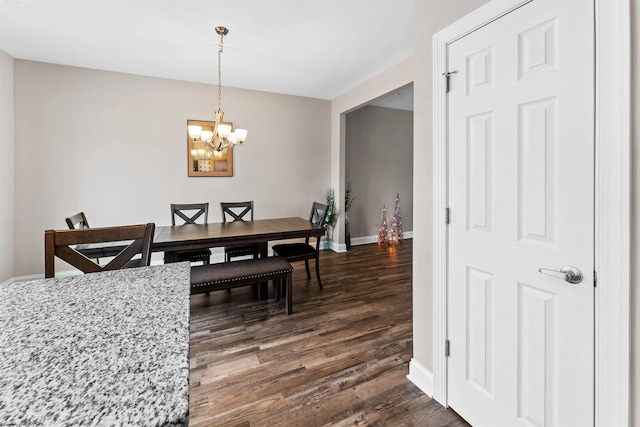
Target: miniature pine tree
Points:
(396, 225)
(383, 238)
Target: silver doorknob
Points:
(567, 273)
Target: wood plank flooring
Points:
(340, 359)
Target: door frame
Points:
(612, 201)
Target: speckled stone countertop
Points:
(104, 349)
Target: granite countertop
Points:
(107, 348)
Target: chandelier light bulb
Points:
(224, 130)
(206, 136)
(241, 135)
(194, 132)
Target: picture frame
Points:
(201, 160)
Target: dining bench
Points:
(227, 275)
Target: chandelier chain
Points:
(220, 73)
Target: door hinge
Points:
(447, 216)
(595, 279)
(447, 78)
(446, 348)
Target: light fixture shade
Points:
(217, 153)
(206, 136)
(194, 131)
(232, 138)
(224, 130)
(241, 135)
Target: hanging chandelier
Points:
(223, 135)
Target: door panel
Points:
(521, 185)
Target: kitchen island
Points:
(108, 348)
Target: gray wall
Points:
(6, 167)
(114, 146)
(379, 164)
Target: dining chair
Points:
(238, 211)
(191, 213)
(305, 251)
(77, 221)
(61, 244)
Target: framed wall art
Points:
(203, 160)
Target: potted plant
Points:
(330, 219)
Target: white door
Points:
(521, 198)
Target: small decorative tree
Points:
(396, 224)
(383, 235)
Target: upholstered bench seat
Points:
(214, 277)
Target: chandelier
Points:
(222, 135)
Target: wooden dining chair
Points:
(238, 211)
(191, 213)
(77, 221)
(293, 252)
(61, 244)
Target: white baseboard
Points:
(363, 240)
(342, 247)
(421, 377)
(374, 239)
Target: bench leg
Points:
(289, 303)
(263, 291)
(277, 287)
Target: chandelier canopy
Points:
(223, 135)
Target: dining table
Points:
(171, 238)
(108, 348)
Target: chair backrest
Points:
(190, 212)
(318, 213)
(317, 217)
(77, 221)
(59, 243)
(236, 211)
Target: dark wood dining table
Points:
(171, 238)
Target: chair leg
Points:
(289, 302)
(318, 272)
(306, 265)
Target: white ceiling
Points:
(312, 48)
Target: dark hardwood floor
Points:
(340, 359)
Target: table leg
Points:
(170, 256)
(263, 287)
